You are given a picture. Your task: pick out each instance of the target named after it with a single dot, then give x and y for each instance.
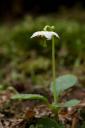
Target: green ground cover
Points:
(22, 54)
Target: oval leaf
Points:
(64, 82)
(29, 97)
(49, 123)
(71, 103)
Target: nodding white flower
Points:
(47, 34)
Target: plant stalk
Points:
(53, 71)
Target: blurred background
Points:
(24, 61)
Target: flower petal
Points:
(47, 34)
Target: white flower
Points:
(47, 34)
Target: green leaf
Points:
(71, 103)
(64, 82)
(49, 123)
(29, 97)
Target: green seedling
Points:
(58, 85)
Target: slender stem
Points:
(53, 71)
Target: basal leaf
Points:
(71, 103)
(49, 123)
(67, 104)
(29, 97)
(64, 82)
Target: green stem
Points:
(53, 71)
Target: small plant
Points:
(58, 85)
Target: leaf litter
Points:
(19, 114)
